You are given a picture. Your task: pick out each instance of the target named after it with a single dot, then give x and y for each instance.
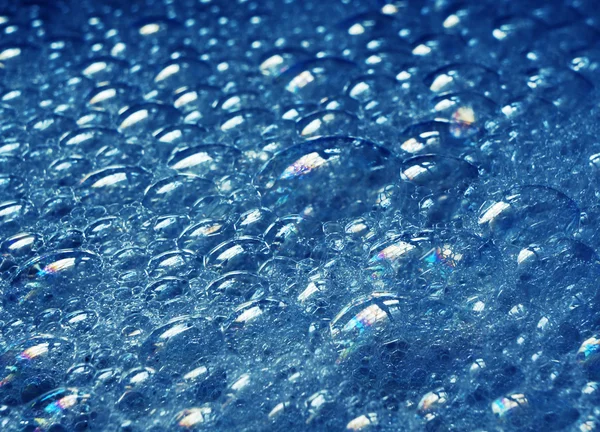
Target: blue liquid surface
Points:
(299, 215)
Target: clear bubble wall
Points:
(299, 215)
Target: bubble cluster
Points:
(344, 215)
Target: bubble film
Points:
(285, 215)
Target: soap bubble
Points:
(293, 236)
(233, 102)
(178, 263)
(242, 253)
(364, 321)
(89, 140)
(178, 137)
(510, 408)
(241, 285)
(278, 61)
(182, 73)
(24, 244)
(197, 103)
(69, 171)
(167, 288)
(431, 137)
(65, 407)
(588, 355)
(529, 214)
(366, 26)
(52, 278)
(439, 183)
(113, 98)
(253, 121)
(204, 235)
(11, 186)
(34, 366)
(464, 77)
(438, 173)
(254, 221)
(363, 422)
(290, 181)
(318, 78)
(177, 193)
(207, 161)
(374, 87)
(327, 123)
(175, 345)
(559, 85)
(14, 214)
(197, 418)
(104, 70)
(115, 184)
(80, 320)
(431, 402)
(147, 119)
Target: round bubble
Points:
(242, 285)
(249, 320)
(310, 179)
(293, 236)
(464, 77)
(276, 62)
(247, 121)
(511, 407)
(69, 171)
(11, 187)
(254, 222)
(467, 112)
(66, 408)
(179, 343)
(15, 214)
(242, 254)
(147, 119)
(22, 245)
(129, 154)
(166, 289)
(90, 139)
(327, 123)
(529, 214)
(364, 321)
(195, 419)
(207, 161)
(588, 356)
(430, 137)
(438, 173)
(318, 78)
(366, 26)
(114, 184)
(52, 278)
(177, 193)
(197, 103)
(104, 69)
(34, 366)
(168, 226)
(238, 101)
(204, 235)
(179, 263)
(182, 72)
(374, 87)
(178, 137)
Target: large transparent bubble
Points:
(34, 366)
(51, 279)
(310, 178)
